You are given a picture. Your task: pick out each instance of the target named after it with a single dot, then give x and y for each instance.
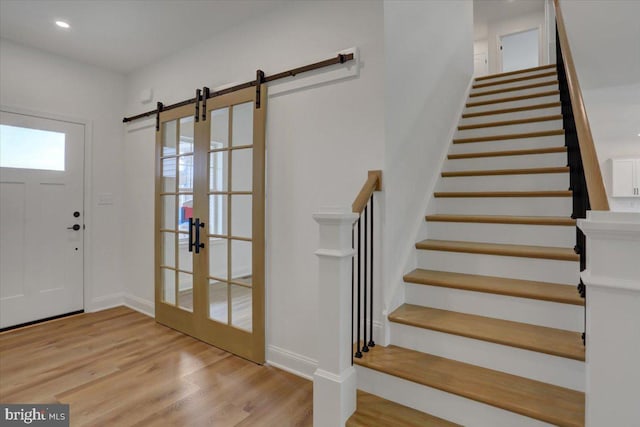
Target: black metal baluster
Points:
(365, 348)
(358, 352)
(371, 342)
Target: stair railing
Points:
(345, 256)
(585, 177)
(362, 239)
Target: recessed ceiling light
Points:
(63, 24)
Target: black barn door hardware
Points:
(159, 109)
(259, 81)
(338, 59)
(205, 95)
(196, 116)
(195, 225)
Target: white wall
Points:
(614, 118)
(514, 25)
(48, 84)
(607, 61)
(429, 63)
(321, 140)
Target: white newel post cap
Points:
(334, 381)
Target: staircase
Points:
(490, 334)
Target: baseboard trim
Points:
(291, 362)
(105, 302)
(141, 305)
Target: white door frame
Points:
(86, 202)
(541, 40)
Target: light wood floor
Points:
(118, 367)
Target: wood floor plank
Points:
(555, 292)
(556, 342)
(119, 367)
(535, 399)
(374, 411)
(522, 251)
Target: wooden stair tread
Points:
(512, 110)
(509, 136)
(555, 292)
(556, 342)
(511, 122)
(374, 411)
(522, 251)
(511, 73)
(542, 193)
(523, 171)
(515, 80)
(532, 151)
(535, 399)
(513, 98)
(513, 89)
(503, 219)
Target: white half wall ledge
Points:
(612, 278)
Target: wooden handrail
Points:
(593, 175)
(373, 183)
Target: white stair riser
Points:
(508, 144)
(510, 129)
(507, 162)
(527, 114)
(524, 310)
(543, 270)
(559, 371)
(510, 104)
(519, 92)
(529, 81)
(523, 206)
(451, 407)
(518, 234)
(512, 76)
(523, 182)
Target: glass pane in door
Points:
(185, 291)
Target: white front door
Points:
(41, 218)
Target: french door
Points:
(210, 221)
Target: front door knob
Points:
(75, 227)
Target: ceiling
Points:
(485, 11)
(123, 35)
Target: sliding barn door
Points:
(210, 222)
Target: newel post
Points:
(612, 278)
(334, 382)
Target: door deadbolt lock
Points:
(76, 214)
(75, 227)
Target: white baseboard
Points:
(139, 304)
(105, 302)
(289, 361)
